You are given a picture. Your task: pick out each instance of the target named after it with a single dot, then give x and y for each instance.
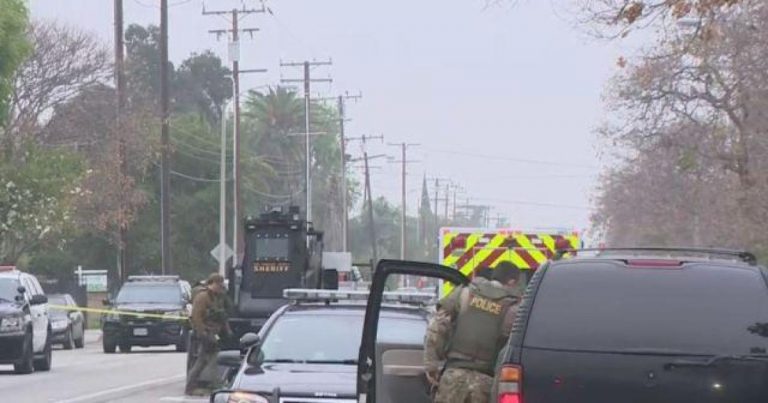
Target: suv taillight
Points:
(511, 384)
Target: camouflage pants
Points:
(464, 386)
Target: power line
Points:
(531, 203)
(510, 159)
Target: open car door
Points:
(390, 371)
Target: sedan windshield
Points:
(8, 289)
(153, 294)
(332, 339)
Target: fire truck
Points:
(467, 249)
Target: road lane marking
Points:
(107, 392)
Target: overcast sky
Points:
(502, 100)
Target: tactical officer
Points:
(209, 321)
(469, 329)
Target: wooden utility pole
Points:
(341, 105)
(122, 254)
(234, 55)
(307, 80)
(403, 213)
(165, 158)
(371, 222)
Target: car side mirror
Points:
(229, 359)
(250, 340)
(21, 289)
(38, 299)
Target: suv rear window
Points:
(699, 309)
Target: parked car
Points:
(67, 323)
(148, 311)
(25, 328)
(645, 325)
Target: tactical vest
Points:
(477, 337)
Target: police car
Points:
(308, 350)
(25, 329)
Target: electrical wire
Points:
(502, 158)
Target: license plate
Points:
(140, 331)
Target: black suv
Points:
(148, 311)
(641, 325)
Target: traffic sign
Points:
(227, 252)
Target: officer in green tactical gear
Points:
(210, 311)
(466, 334)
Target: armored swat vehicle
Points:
(282, 250)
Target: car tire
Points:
(80, 341)
(26, 366)
(108, 345)
(44, 363)
(183, 345)
(125, 347)
(69, 341)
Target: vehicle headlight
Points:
(238, 397)
(176, 314)
(112, 317)
(12, 324)
(59, 324)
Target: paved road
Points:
(89, 376)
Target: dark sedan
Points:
(67, 323)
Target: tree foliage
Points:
(689, 123)
(13, 49)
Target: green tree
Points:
(14, 46)
(36, 200)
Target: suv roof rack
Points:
(741, 255)
(321, 295)
(154, 278)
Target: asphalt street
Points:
(90, 376)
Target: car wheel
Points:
(108, 345)
(183, 343)
(125, 347)
(69, 341)
(26, 365)
(44, 363)
(80, 341)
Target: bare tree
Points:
(63, 62)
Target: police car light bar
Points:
(153, 278)
(298, 294)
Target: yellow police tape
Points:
(117, 312)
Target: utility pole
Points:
(344, 184)
(371, 222)
(403, 216)
(122, 254)
(368, 195)
(234, 55)
(165, 177)
(307, 120)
